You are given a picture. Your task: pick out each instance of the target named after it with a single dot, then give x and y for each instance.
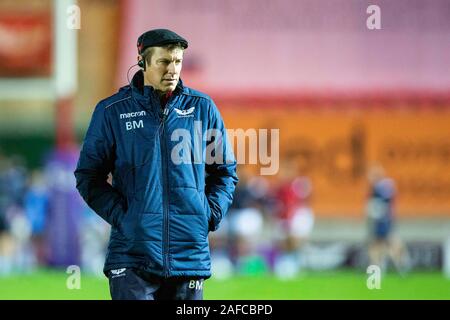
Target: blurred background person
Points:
(247, 224)
(6, 242)
(384, 243)
(295, 219)
(36, 207)
(16, 254)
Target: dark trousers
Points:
(134, 284)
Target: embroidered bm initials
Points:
(196, 284)
(134, 124)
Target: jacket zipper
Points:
(165, 195)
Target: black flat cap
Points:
(158, 38)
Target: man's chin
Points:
(170, 89)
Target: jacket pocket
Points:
(207, 209)
(188, 217)
(126, 222)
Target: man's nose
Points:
(171, 68)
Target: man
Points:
(383, 242)
(160, 206)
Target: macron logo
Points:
(185, 113)
(132, 114)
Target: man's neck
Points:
(164, 98)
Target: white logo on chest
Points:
(185, 113)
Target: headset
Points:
(141, 63)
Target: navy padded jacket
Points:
(160, 212)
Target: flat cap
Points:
(158, 38)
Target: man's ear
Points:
(141, 62)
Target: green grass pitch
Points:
(51, 284)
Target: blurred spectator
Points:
(14, 227)
(243, 228)
(296, 220)
(65, 209)
(36, 206)
(5, 238)
(94, 237)
(383, 242)
(20, 229)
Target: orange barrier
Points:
(335, 147)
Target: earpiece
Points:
(141, 63)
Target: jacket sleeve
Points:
(221, 177)
(95, 163)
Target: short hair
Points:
(148, 52)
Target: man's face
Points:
(164, 70)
